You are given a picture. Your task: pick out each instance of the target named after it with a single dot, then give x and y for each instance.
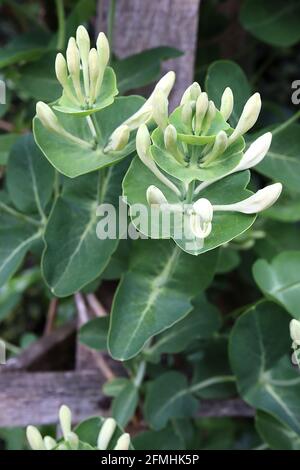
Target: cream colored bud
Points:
(73, 440)
(94, 70)
(49, 443)
(106, 432)
(255, 153)
(61, 70)
(160, 109)
(47, 117)
(155, 196)
(261, 200)
(165, 84)
(103, 49)
(218, 149)
(201, 110)
(209, 117)
(191, 93)
(123, 442)
(170, 140)
(295, 331)
(227, 102)
(119, 139)
(187, 115)
(248, 117)
(73, 58)
(83, 42)
(34, 438)
(65, 418)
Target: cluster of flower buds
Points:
(197, 114)
(92, 63)
(295, 335)
(70, 439)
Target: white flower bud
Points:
(248, 117)
(73, 440)
(123, 442)
(155, 196)
(102, 45)
(218, 149)
(73, 61)
(165, 84)
(34, 438)
(83, 42)
(261, 200)
(201, 109)
(106, 433)
(94, 70)
(65, 418)
(227, 102)
(187, 115)
(61, 70)
(143, 143)
(295, 331)
(119, 139)
(209, 117)
(191, 93)
(47, 117)
(201, 218)
(170, 140)
(160, 109)
(255, 153)
(49, 443)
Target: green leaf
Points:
(202, 322)
(277, 240)
(124, 405)
(286, 209)
(280, 280)
(88, 432)
(228, 260)
(259, 348)
(168, 397)
(141, 69)
(165, 439)
(155, 293)
(277, 435)
(74, 255)
(225, 225)
(276, 23)
(282, 162)
(106, 97)
(114, 387)
(74, 160)
(6, 142)
(30, 177)
(94, 333)
(222, 74)
(24, 48)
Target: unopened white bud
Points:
(218, 149)
(34, 438)
(165, 84)
(209, 117)
(170, 140)
(160, 109)
(47, 117)
(255, 153)
(191, 93)
(73, 440)
(65, 418)
(123, 442)
(103, 49)
(61, 70)
(227, 102)
(155, 196)
(201, 109)
(83, 42)
(119, 139)
(187, 115)
(106, 433)
(261, 200)
(49, 443)
(248, 117)
(73, 58)
(94, 70)
(295, 331)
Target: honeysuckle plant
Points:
(109, 435)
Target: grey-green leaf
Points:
(124, 405)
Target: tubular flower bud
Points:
(48, 118)
(227, 102)
(73, 61)
(255, 153)
(65, 418)
(165, 84)
(94, 70)
(160, 109)
(49, 443)
(61, 70)
(73, 440)
(84, 43)
(191, 93)
(261, 200)
(119, 139)
(209, 117)
(248, 117)
(155, 196)
(103, 53)
(34, 438)
(219, 147)
(187, 115)
(201, 109)
(170, 140)
(106, 433)
(295, 331)
(123, 442)
(201, 218)
(143, 143)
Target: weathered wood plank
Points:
(141, 24)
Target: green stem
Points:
(19, 215)
(211, 381)
(111, 21)
(96, 126)
(61, 35)
(190, 193)
(140, 374)
(287, 123)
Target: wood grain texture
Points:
(141, 24)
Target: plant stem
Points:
(190, 193)
(19, 215)
(61, 35)
(211, 381)
(140, 374)
(96, 127)
(110, 24)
